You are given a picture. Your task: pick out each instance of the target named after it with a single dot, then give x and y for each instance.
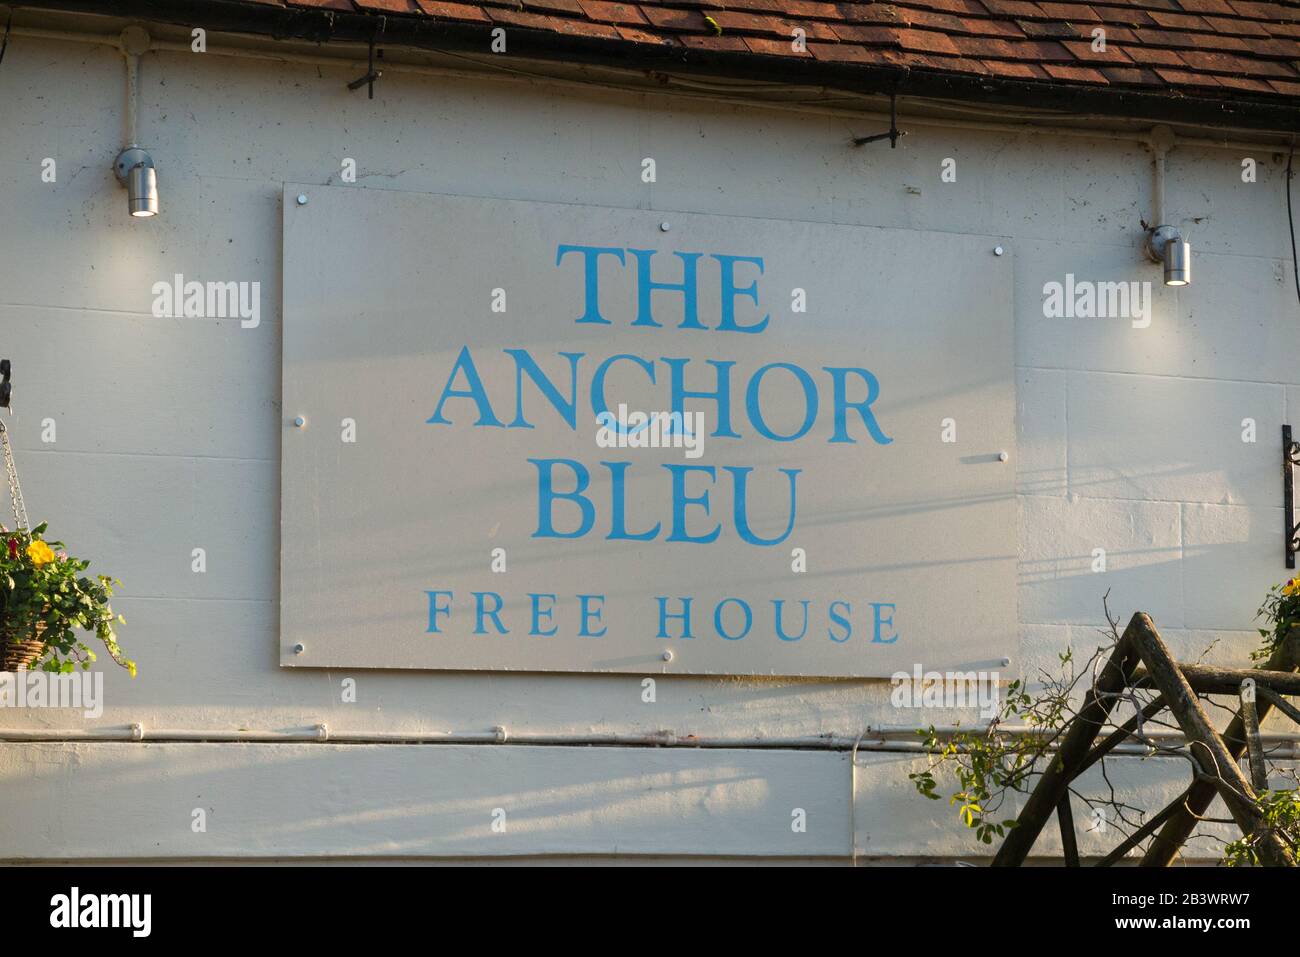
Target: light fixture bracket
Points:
(1158, 237)
(892, 134)
(129, 159)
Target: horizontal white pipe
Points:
(878, 738)
(679, 86)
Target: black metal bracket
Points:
(1290, 459)
(894, 132)
(371, 74)
(6, 390)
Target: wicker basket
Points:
(21, 642)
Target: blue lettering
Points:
(839, 377)
(684, 615)
(546, 496)
(465, 363)
(755, 409)
(687, 287)
(525, 363)
(435, 609)
(590, 615)
(717, 619)
(591, 256)
(681, 500)
(730, 292)
(881, 620)
(539, 612)
(481, 611)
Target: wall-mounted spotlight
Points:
(1166, 245)
(134, 169)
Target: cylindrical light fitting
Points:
(134, 169)
(1165, 244)
(1178, 262)
(142, 193)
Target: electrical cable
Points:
(1290, 221)
(4, 43)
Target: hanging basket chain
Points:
(15, 490)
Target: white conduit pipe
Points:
(132, 110)
(679, 86)
(876, 738)
(1159, 141)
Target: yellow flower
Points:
(1292, 587)
(39, 552)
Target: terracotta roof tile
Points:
(736, 44)
(1178, 21)
(1128, 16)
(1185, 77)
(1285, 87)
(454, 11)
(1234, 65)
(869, 35)
(1074, 12)
(839, 52)
(1262, 11)
(1027, 71)
(638, 35)
(1050, 29)
(1014, 8)
(961, 7)
(1084, 52)
(1078, 74)
(1237, 50)
(1236, 27)
(881, 13)
(766, 24)
(387, 6)
(690, 21)
(324, 4)
(1131, 76)
(1242, 83)
(929, 41)
(571, 7)
(769, 47)
(604, 12)
(1207, 6)
(537, 21)
(1153, 57)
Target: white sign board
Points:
(542, 437)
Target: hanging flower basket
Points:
(45, 599)
(21, 642)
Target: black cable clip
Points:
(371, 74)
(894, 132)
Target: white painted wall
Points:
(168, 439)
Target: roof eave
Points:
(1241, 111)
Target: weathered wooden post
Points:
(1218, 765)
(1254, 745)
(1178, 828)
(1053, 786)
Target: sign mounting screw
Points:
(997, 250)
(302, 199)
(664, 227)
(668, 656)
(300, 422)
(299, 648)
